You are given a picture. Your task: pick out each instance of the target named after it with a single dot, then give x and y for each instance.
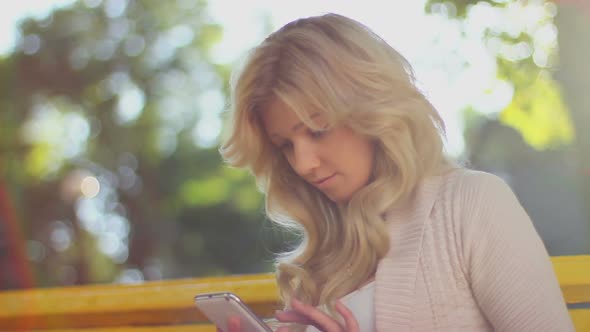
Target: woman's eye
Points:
(318, 133)
(285, 146)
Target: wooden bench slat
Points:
(154, 306)
(168, 294)
(573, 273)
(182, 328)
(581, 319)
(152, 303)
(572, 270)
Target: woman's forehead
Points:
(280, 111)
(303, 109)
(277, 116)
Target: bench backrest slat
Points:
(155, 306)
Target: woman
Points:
(395, 237)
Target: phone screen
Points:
(219, 307)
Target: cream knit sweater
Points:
(465, 257)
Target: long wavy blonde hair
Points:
(338, 66)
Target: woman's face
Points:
(337, 161)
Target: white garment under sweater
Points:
(362, 304)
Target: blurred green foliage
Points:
(126, 92)
(527, 59)
(538, 112)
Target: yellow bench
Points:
(168, 305)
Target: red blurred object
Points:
(14, 265)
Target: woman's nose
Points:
(305, 159)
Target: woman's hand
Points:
(309, 315)
(233, 325)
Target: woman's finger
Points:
(352, 324)
(290, 316)
(318, 318)
(233, 324)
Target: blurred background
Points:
(111, 114)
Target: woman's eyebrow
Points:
(300, 124)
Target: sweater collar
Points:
(395, 278)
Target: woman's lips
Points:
(325, 181)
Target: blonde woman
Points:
(395, 237)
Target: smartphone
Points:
(219, 307)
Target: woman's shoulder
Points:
(468, 181)
(467, 188)
(456, 190)
(473, 202)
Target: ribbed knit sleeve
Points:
(510, 272)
